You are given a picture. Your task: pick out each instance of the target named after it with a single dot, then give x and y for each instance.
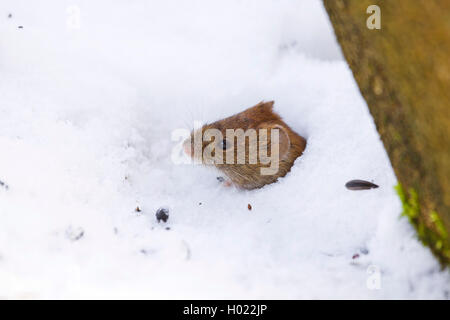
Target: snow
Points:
(87, 109)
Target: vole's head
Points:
(253, 147)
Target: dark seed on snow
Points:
(355, 256)
(20, 27)
(4, 185)
(10, 15)
(162, 214)
(220, 179)
(249, 207)
(360, 185)
(137, 209)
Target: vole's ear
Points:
(267, 105)
(284, 143)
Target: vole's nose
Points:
(187, 147)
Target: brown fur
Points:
(260, 116)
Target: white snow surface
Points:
(86, 116)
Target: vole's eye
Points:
(224, 144)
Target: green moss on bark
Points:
(437, 237)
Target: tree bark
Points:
(403, 73)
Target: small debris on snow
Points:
(4, 185)
(167, 228)
(199, 203)
(138, 209)
(74, 234)
(162, 214)
(147, 251)
(20, 27)
(360, 185)
(188, 250)
(249, 206)
(364, 250)
(355, 256)
(220, 179)
(10, 15)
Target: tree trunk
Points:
(403, 73)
